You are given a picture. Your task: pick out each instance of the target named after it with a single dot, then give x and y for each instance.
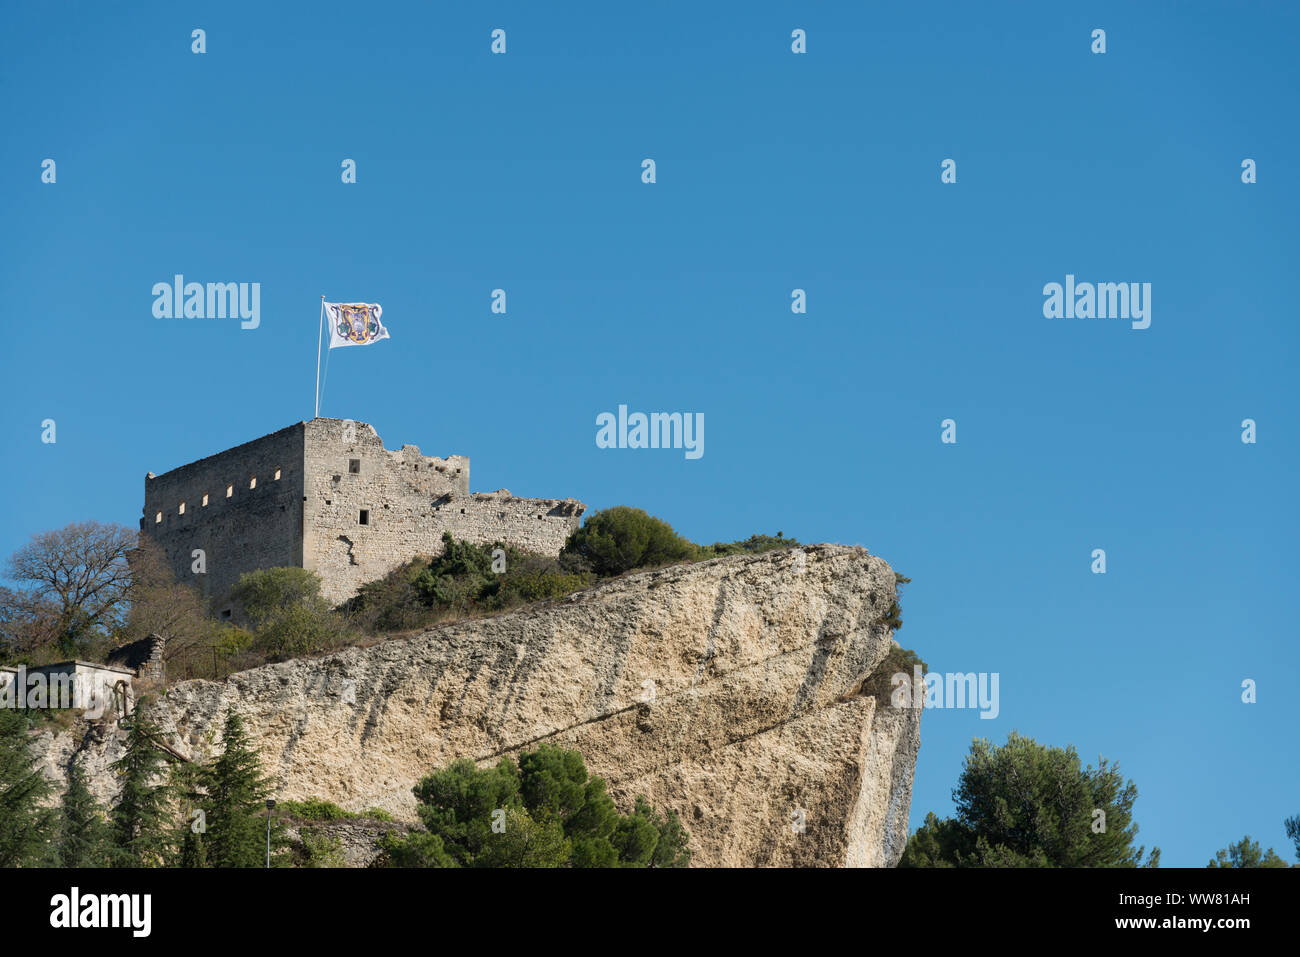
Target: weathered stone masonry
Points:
(326, 495)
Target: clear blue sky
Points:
(775, 171)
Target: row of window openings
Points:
(363, 518)
(230, 491)
(354, 467)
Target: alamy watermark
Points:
(22, 689)
(1103, 300)
(132, 912)
(216, 300)
(946, 690)
(658, 430)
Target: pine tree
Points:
(191, 783)
(25, 824)
(1292, 825)
(141, 820)
(1028, 805)
(237, 802)
(671, 850)
(84, 837)
(194, 849)
(1246, 853)
(546, 811)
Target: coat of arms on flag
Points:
(355, 323)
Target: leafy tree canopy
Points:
(1028, 805)
(620, 539)
(544, 811)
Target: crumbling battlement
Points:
(326, 495)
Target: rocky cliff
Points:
(729, 690)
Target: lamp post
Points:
(270, 806)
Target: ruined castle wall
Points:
(368, 510)
(534, 524)
(241, 528)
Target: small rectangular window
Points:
(205, 500)
(252, 482)
(277, 475)
(157, 519)
(181, 510)
(354, 466)
(226, 613)
(230, 490)
(365, 516)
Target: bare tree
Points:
(27, 624)
(162, 606)
(79, 573)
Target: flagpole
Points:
(319, 330)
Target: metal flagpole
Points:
(320, 328)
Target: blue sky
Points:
(775, 171)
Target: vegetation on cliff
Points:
(26, 824)
(880, 683)
(544, 811)
(90, 588)
(468, 580)
(167, 813)
(621, 539)
(318, 809)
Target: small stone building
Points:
(99, 690)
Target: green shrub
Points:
(264, 592)
(750, 546)
(459, 577)
(419, 849)
(289, 615)
(391, 603)
(321, 850)
(899, 660)
(894, 616)
(297, 631)
(465, 579)
(315, 809)
(318, 809)
(620, 539)
(229, 641)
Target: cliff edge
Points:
(729, 690)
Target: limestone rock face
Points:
(728, 690)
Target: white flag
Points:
(354, 323)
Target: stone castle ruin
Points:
(326, 495)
